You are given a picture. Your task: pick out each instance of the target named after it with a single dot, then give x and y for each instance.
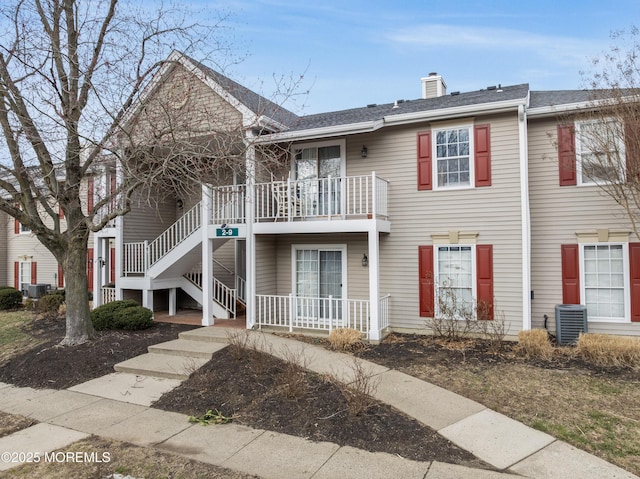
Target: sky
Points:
(350, 53)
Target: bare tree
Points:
(76, 96)
(608, 134)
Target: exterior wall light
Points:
(364, 152)
(365, 261)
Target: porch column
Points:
(250, 240)
(172, 301)
(98, 252)
(374, 285)
(119, 243)
(207, 259)
(147, 298)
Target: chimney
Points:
(433, 86)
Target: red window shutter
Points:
(425, 281)
(482, 154)
(60, 277)
(567, 155)
(112, 265)
(90, 269)
(89, 195)
(634, 273)
(16, 275)
(570, 274)
(632, 149)
(484, 280)
(424, 161)
(60, 213)
(34, 272)
(16, 226)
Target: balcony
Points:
(340, 198)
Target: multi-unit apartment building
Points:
(375, 210)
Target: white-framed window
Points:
(455, 280)
(605, 281)
(24, 229)
(453, 154)
(25, 273)
(600, 152)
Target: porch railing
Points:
(323, 314)
(135, 258)
(228, 204)
(332, 197)
(108, 295)
(175, 234)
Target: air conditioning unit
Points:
(37, 290)
(571, 320)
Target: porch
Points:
(292, 312)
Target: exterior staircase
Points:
(177, 359)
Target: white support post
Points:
(207, 260)
(172, 302)
(374, 285)
(119, 240)
(147, 298)
(374, 199)
(98, 252)
(251, 239)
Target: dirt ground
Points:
(593, 408)
(49, 365)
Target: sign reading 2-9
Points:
(227, 232)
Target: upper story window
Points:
(600, 152)
(453, 149)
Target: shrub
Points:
(10, 298)
(49, 305)
(607, 350)
(534, 344)
(103, 317)
(345, 339)
(133, 318)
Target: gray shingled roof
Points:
(559, 97)
(378, 112)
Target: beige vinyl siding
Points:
(494, 212)
(557, 213)
(224, 253)
(357, 275)
(184, 105)
(266, 264)
(146, 221)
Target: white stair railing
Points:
(224, 296)
(175, 234)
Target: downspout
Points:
(525, 218)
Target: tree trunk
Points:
(79, 325)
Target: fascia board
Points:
(454, 112)
(324, 132)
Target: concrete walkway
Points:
(117, 406)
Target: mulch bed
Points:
(50, 365)
(254, 390)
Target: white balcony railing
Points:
(228, 205)
(108, 294)
(339, 197)
(134, 258)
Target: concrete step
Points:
(187, 348)
(208, 334)
(161, 365)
